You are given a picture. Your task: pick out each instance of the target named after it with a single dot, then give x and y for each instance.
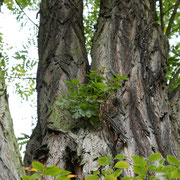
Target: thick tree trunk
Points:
(127, 42)
(62, 57)
(10, 160)
(174, 103)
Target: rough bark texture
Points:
(127, 42)
(174, 103)
(10, 160)
(62, 57)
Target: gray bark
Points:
(127, 42)
(174, 104)
(10, 160)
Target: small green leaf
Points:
(118, 172)
(173, 160)
(154, 157)
(140, 177)
(140, 170)
(174, 174)
(75, 81)
(120, 156)
(121, 164)
(52, 171)
(102, 86)
(35, 176)
(96, 172)
(89, 114)
(152, 167)
(37, 165)
(110, 177)
(169, 168)
(153, 178)
(93, 177)
(64, 173)
(62, 178)
(109, 171)
(138, 160)
(127, 178)
(26, 178)
(159, 169)
(161, 161)
(103, 161)
(76, 115)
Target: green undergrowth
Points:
(83, 100)
(152, 168)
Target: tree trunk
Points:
(174, 103)
(127, 42)
(10, 160)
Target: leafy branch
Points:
(25, 13)
(172, 17)
(161, 14)
(152, 168)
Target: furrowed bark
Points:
(129, 42)
(58, 139)
(174, 104)
(62, 56)
(10, 160)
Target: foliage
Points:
(168, 18)
(23, 140)
(152, 168)
(83, 100)
(173, 67)
(20, 69)
(90, 19)
(40, 171)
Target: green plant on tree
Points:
(83, 100)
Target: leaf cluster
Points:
(173, 68)
(23, 140)
(168, 18)
(90, 19)
(83, 100)
(40, 171)
(152, 169)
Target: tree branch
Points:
(26, 14)
(169, 9)
(29, 78)
(172, 18)
(161, 15)
(176, 75)
(174, 30)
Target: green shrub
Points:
(143, 168)
(83, 100)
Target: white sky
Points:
(14, 35)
